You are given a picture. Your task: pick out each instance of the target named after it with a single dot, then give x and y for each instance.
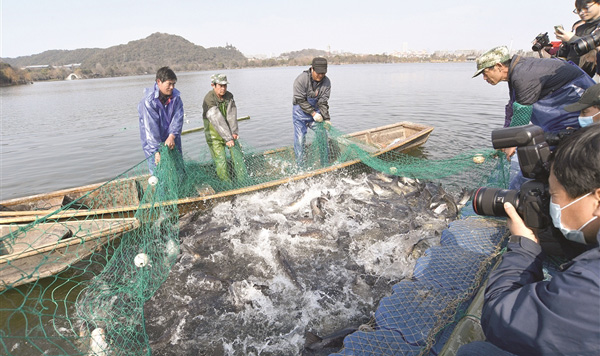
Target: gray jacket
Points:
(306, 87)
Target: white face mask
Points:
(587, 120)
(573, 235)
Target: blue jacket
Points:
(158, 121)
(525, 315)
(548, 84)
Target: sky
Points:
(272, 27)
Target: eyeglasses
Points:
(586, 8)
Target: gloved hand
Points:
(318, 117)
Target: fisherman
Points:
(221, 128)
(539, 87)
(311, 105)
(524, 313)
(161, 117)
(547, 84)
(588, 106)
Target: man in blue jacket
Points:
(161, 116)
(524, 314)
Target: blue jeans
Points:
(302, 122)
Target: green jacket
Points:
(221, 113)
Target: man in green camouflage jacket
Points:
(221, 128)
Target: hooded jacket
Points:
(158, 121)
(526, 315)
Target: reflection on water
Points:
(64, 134)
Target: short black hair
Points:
(579, 4)
(165, 73)
(576, 161)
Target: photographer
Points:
(580, 46)
(526, 315)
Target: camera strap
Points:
(513, 64)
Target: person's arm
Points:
(232, 118)
(149, 127)
(216, 118)
(524, 314)
(176, 123)
(323, 101)
(301, 91)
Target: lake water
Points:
(64, 134)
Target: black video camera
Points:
(584, 44)
(533, 200)
(542, 40)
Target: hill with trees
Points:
(145, 56)
(136, 57)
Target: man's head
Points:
(575, 178)
(319, 68)
(493, 64)
(588, 10)
(166, 79)
(588, 104)
(219, 83)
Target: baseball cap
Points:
(319, 65)
(491, 58)
(219, 79)
(590, 97)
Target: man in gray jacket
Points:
(311, 105)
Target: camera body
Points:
(586, 43)
(542, 40)
(532, 202)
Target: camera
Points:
(584, 44)
(532, 202)
(542, 40)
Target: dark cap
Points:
(319, 65)
(590, 97)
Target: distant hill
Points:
(138, 57)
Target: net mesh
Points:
(77, 266)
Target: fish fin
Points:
(311, 339)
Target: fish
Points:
(464, 198)
(316, 207)
(287, 268)
(98, 344)
(335, 339)
(377, 189)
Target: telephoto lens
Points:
(490, 201)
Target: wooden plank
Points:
(52, 258)
(385, 138)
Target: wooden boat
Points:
(397, 137)
(31, 252)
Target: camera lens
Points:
(490, 201)
(586, 43)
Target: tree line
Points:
(145, 56)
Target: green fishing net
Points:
(76, 268)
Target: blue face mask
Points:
(587, 120)
(573, 235)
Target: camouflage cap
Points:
(491, 58)
(219, 79)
